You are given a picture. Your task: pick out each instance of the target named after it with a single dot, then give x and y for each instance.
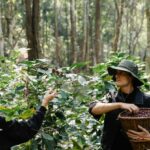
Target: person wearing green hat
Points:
(128, 97)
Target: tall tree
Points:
(57, 41)
(1, 37)
(119, 10)
(148, 37)
(73, 32)
(98, 48)
(67, 20)
(85, 47)
(32, 28)
(91, 33)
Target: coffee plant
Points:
(67, 124)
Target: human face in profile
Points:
(123, 78)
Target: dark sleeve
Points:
(3, 123)
(19, 132)
(91, 105)
(146, 100)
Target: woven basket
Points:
(132, 121)
(140, 145)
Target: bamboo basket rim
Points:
(133, 141)
(133, 118)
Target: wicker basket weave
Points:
(140, 145)
(132, 122)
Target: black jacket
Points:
(14, 132)
(113, 137)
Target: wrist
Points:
(120, 105)
(44, 103)
(45, 106)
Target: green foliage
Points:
(67, 124)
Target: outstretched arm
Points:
(100, 108)
(19, 132)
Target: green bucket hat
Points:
(128, 66)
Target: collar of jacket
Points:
(138, 96)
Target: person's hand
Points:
(49, 96)
(142, 136)
(130, 107)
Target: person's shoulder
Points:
(146, 99)
(147, 95)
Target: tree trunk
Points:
(67, 11)
(98, 50)
(91, 40)
(85, 47)
(10, 25)
(118, 24)
(1, 37)
(73, 32)
(32, 28)
(148, 38)
(57, 41)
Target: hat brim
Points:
(112, 71)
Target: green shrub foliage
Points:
(67, 124)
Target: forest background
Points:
(67, 45)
